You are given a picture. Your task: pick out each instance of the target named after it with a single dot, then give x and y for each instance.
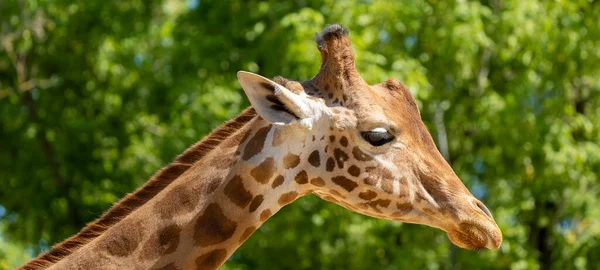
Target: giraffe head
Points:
(366, 148)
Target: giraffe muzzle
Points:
(478, 230)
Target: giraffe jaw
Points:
(468, 233)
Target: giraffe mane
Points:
(134, 200)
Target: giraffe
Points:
(361, 146)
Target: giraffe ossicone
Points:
(361, 146)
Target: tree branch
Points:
(20, 64)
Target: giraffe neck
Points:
(204, 215)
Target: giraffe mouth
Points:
(475, 236)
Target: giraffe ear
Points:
(272, 101)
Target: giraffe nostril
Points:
(484, 209)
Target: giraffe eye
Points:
(377, 137)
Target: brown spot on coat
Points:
(163, 243)
(387, 178)
(301, 178)
(317, 182)
(387, 185)
(125, 239)
(381, 202)
(212, 185)
(213, 227)
(344, 182)
(212, 259)
(255, 145)
(354, 171)
(340, 157)
(404, 208)
(291, 161)
(168, 239)
(371, 181)
(360, 155)
(277, 182)
(384, 173)
(344, 141)
(256, 202)
(264, 171)
(331, 138)
(177, 201)
(237, 193)
(170, 266)
(247, 233)
(264, 215)
(330, 165)
(330, 198)
(367, 195)
(287, 198)
(376, 209)
(314, 158)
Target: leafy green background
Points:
(95, 96)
